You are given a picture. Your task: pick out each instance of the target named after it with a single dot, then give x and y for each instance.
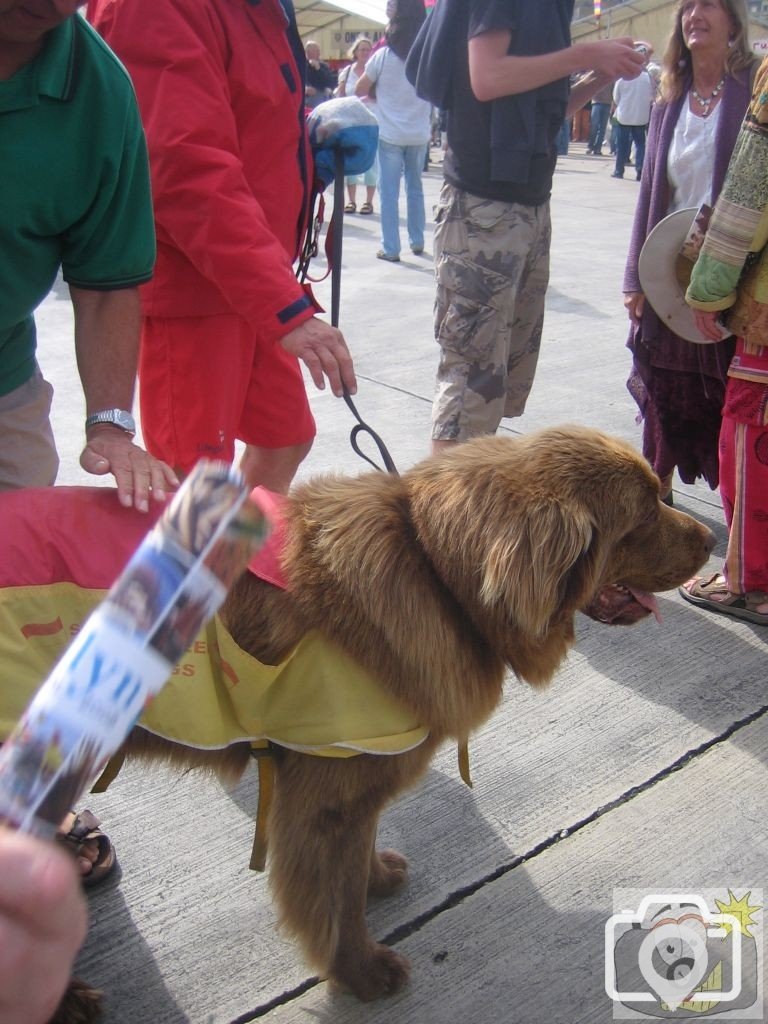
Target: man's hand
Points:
(323, 349)
(709, 324)
(634, 303)
(43, 921)
(614, 58)
(136, 472)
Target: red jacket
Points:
(221, 94)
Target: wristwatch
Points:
(117, 417)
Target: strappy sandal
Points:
(84, 829)
(351, 208)
(366, 208)
(712, 593)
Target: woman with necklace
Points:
(705, 89)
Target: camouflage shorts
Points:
(492, 268)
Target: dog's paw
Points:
(389, 871)
(381, 973)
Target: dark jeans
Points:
(626, 134)
(598, 121)
(563, 138)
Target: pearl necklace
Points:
(706, 101)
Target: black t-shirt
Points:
(467, 163)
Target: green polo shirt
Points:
(74, 185)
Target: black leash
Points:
(336, 229)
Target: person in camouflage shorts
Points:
(492, 274)
(501, 69)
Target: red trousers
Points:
(744, 484)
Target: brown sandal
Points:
(712, 593)
(366, 208)
(351, 208)
(85, 828)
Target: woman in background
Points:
(349, 76)
(705, 89)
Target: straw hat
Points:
(665, 274)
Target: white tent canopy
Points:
(314, 16)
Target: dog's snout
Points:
(696, 533)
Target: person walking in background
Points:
(719, 288)
(563, 139)
(404, 130)
(349, 76)
(598, 119)
(633, 101)
(320, 77)
(220, 87)
(492, 237)
(705, 89)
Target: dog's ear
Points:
(541, 563)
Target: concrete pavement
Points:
(642, 766)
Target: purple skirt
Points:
(679, 388)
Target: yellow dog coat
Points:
(65, 546)
(318, 700)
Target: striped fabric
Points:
(732, 270)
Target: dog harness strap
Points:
(463, 752)
(110, 773)
(263, 756)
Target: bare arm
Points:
(107, 326)
(363, 85)
(494, 73)
(583, 90)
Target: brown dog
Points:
(438, 582)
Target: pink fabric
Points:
(83, 535)
(266, 563)
(78, 535)
(744, 485)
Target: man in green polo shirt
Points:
(74, 194)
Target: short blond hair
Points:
(355, 43)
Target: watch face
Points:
(124, 419)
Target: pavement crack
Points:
(281, 1000)
(458, 896)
